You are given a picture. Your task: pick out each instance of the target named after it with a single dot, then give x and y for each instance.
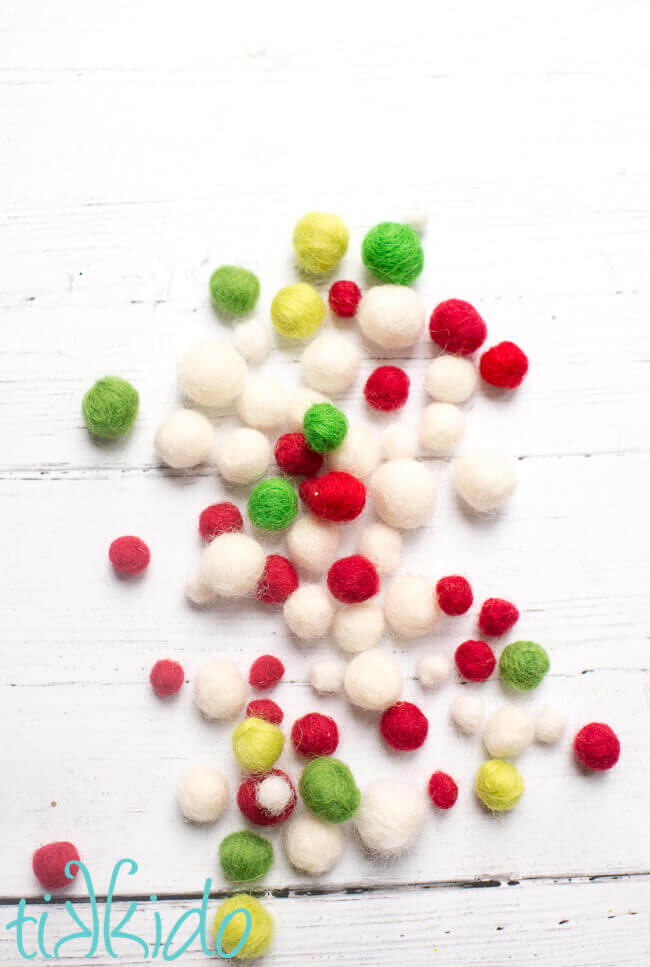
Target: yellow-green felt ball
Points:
(297, 311)
(245, 856)
(320, 241)
(257, 744)
(230, 927)
(110, 407)
(499, 785)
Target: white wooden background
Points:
(143, 143)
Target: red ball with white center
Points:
(279, 579)
(497, 616)
(247, 800)
(475, 660)
(219, 519)
(336, 496)
(50, 861)
(294, 455)
(454, 595)
(404, 726)
(129, 555)
(504, 365)
(387, 388)
(353, 579)
(265, 672)
(166, 677)
(443, 790)
(597, 746)
(344, 298)
(315, 734)
(456, 326)
(265, 708)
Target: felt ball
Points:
(299, 402)
(297, 311)
(232, 564)
(315, 734)
(273, 794)
(450, 379)
(308, 612)
(218, 519)
(202, 794)
(497, 616)
(358, 454)
(485, 479)
(272, 504)
(550, 724)
(184, 439)
(211, 373)
(523, 664)
(390, 817)
(312, 846)
(253, 340)
(324, 427)
(410, 606)
(257, 744)
(454, 594)
(265, 672)
(330, 363)
(234, 290)
(263, 402)
(294, 456)
(198, 593)
(219, 689)
(433, 670)
(336, 496)
(508, 732)
(504, 365)
(344, 298)
(279, 580)
(328, 789)
(404, 726)
(383, 546)
(235, 923)
(326, 677)
(353, 579)
(391, 316)
(597, 746)
(404, 492)
(320, 241)
(245, 856)
(110, 407)
(393, 253)
(243, 455)
(399, 442)
(265, 708)
(129, 555)
(475, 660)
(373, 680)
(418, 219)
(313, 543)
(358, 627)
(466, 713)
(499, 785)
(440, 427)
(166, 677)
(443, 791)
(387, 388)
(49, 864)
(257, 811)
(456, 326)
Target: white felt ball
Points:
(358, 454)
(211, 373)
(253, 340)
(243, 455)
(358, 627)
(418, 219)
(391, 316)
(184, 439)
(308, 612)
(550, 723)
(232, 564)
(273, 795)
(398, 441)
(433, 670)
(508, 731)
(382, 545)
(485, 479)
(390, 817)
(263, 403)
(312, 544)
(373, 680)
(450, 379)
(404, 492)
(199, 593)
(410, 606)
(467, 713)
(312, 846)
(326, 677)
(330, 363)
(440, 428)
(219, 689)
(300, 401)
(202, 794)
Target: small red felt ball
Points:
(129, 555)
(294, 455)
(279, 579)
(404, 726)
(597, 746)
(475, 660)
(336, 496)
(315, 734)
(456, 326)
(443, 790)
(265, 672)
(166, 677)
(265, 708)
(353, 579)
(387, 388)
(49, 863)
(454, 594)
(504, 365)
(219, 519)
(247, 800)
(344, 298)
(497, 616)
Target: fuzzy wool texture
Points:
(219, 690)
(265, 672)
(184, 439)
(219, 519)
(497, 616)
(263, 403)
(466, 712)
(358, 627)
(393, 253)
(523, 665)
(387, 389)
(293, 455)
(265, 708)
(440, 427)
(336, 496)
(110, 408)
(253, 340)
(358, 454)
(404, 492)
(328, 789)
(299, 402)
(260, 936)
(49, 864)
(166, 677)
(211, 373)
(550, 724)
(353, 579)
(274, 794)
(508, 732)
(456, 326)
(308, 612)
(404, 726)
(129, 555)
(344, 298)
(597, 747)
(499, 785)
(433, 670)
(330, 363)
(245, 856)
(297, 311)
(231, 565)
(410, 606)
(383, 546)
(279, 579)
(326, 677)
(313, 543)
(202, 794)
(373, 680)
(391, 316)
(475, 660)
(257, 744)
(272, 504)
(504, 366)
(243, 455)
(320, 240)
(391, 817)
(312, 846)
(443, 791)
(455, 595)
(398, 442)
(450, 379)
(198, 593)
(234, 290)
(485, 479)
(325, 427)
(253, 810)
(315, 735)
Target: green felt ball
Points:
(273, 504)
(523, 665)
(110, 407)
(499, 785)
(324, 427)
(328, 788)
(234, 290)
(245, 856)
(393, 253)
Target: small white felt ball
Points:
(391, 316)
(312, 544)
(382, 546)
(358, 454)
(440, 428)
(326, 677)
(219, 689)
(243, 455)
(404, 492)
(508, 731)
(550, 723)
(373, 680)
(308, 612)
(263, 403)
(184, 439)
(199, 593)
(211, 373)
(273, 795)
(232, 564)
(358, 627)
(485, 479)
(312, 846)
(399, 442)
(418, 219)
(410, 606)
(467, 713)
(300, 401)
(433, 670)
(450, 379)
(330, 363)
(390, 817)
(202, 794)
(253, 340)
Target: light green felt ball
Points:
(499, 785)
(523, 665)
(234, 290)
(297, 311)
(234, 926)
(245, 856)
(272, 504)
(320, 241)
(393, 253)
(328, 788)
(110, 407)
(324, 427)
(257, 744)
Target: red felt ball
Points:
(265, 708)
(219, 519)
(387, 388)
(279, 579)
(49, 863)
(129, 555)
(166, 677)
(404, 726)
(265, 672)
(295, 456)
(344, 298)
(353, 579)
(443, 791)
(475, 660)
(456, 326)
(247, 800)
(336, 496)
(315, 734)
(597, 746)
(497, 616)
(454, 594)
(504, 365)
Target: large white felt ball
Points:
(312, 846)
(382, 546)
(373, 680)
(485, 479)
(253, 340)
(433, 670)
(391, 316)
(466, 712)
(312, 544)
(219, 689)
(202, 794)
(357, 627)
(326, 677)
(398, 441)
(450, 379)
(358, 454)
(440, 428)
(232, 564)
(243, 455)
(211, 373)
(273, 795)
(330, 363)
(404, 492)
(411, 606)
(550, 724)
(184, 439)
(508, 731)
(263, 403)
(308, 612)
(299, 402)
(390, 817)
